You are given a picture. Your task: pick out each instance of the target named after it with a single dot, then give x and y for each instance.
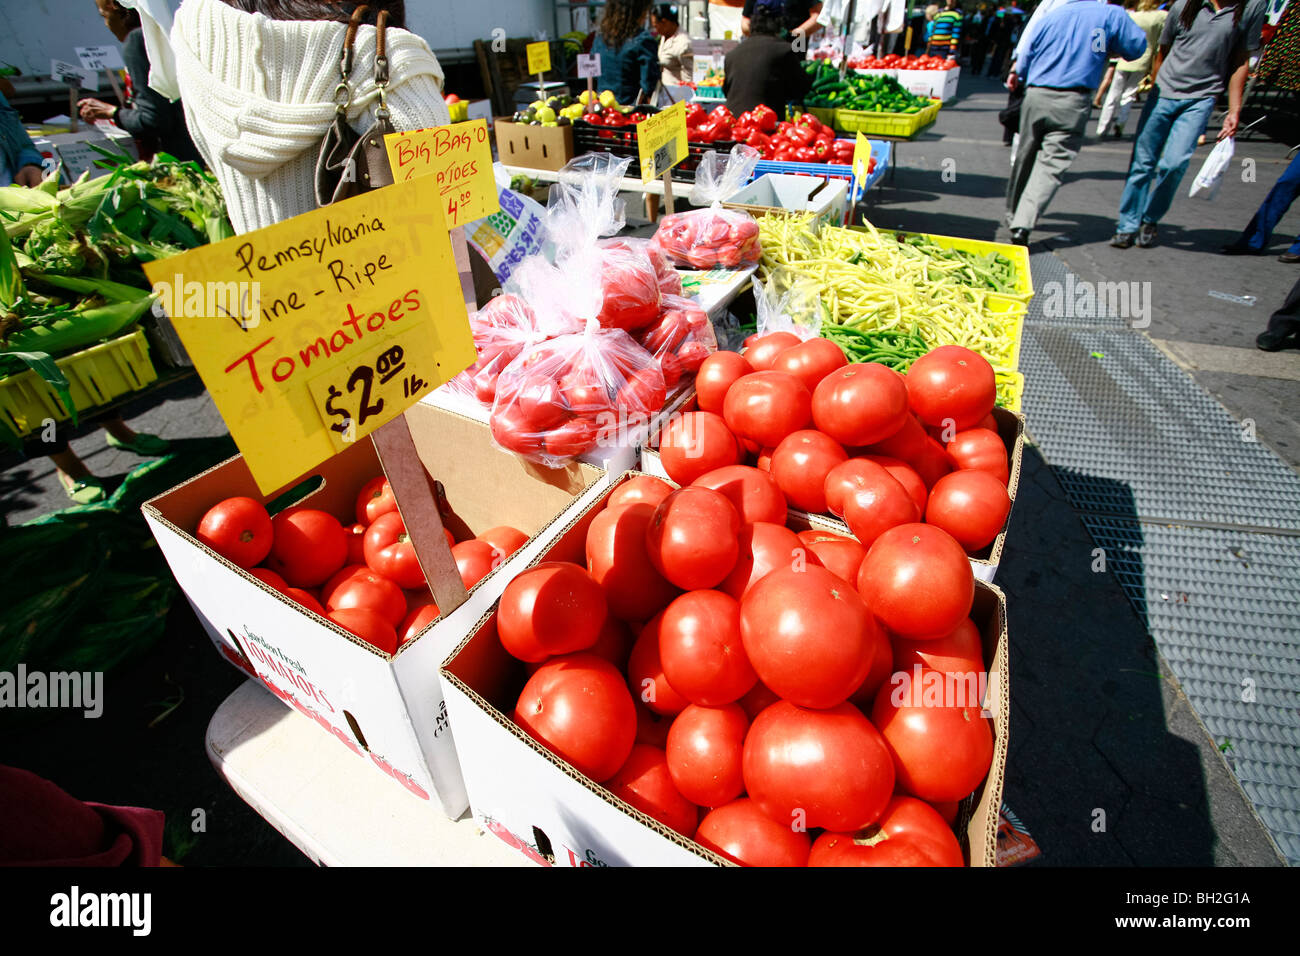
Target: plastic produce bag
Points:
(1207, 181)
(788, 303)
(560, 398)
(681, 339)
(710, 237)
(670, 280)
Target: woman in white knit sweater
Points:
(257, 79)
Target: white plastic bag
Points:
(1207, 181)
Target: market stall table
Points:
(325, 802)
(630, 184)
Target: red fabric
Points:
(41, 825)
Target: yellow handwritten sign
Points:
(459, 157)
(661, 141)
(539, 56)
(861, 163)
(312, 333)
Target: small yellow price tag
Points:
(661, 141)
(459, 157)
(539, 56)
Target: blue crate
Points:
(881, 150)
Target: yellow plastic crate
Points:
(1018, 255)
(886, 124)
(1013, 311)
(825, 114)
(96, 376)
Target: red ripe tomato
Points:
(238, 529)
(513, 433)
(540, 404)
(475, 560)
(755, 494)
(552, 609)
(758, 700)
(692, 538)
(695, 444)
(356, 543)
(644, 392)
(644, 782)
(305, 598)
(308, 546)
(643, 489)
(339, 576)
(766, 406)
(652, 728)
(365, 588)
(578, 707)
(618, 560)
(951, 383)
(415, 622)
(979, 449)
(839, 555)
(972, 506)
(715, 376)
(940, 752)
(960, 652)
(505, 539)
(375, 499)
(818, 768)
(808, 635)
(909, 833)
(577, 436)
(705, 746)
(905, 475)
(614, 643)
(701, 650)
(800, 465)
(764, 460)
(912, 445)
(811, 361)
(761, 351)
(645, 673)
(390, 552)
(269, 578)
(877, 504)
(764, 547)
(371, 626)
(744, 834)
(860, 404)
(917, 581)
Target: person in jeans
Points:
(1203, 48)
(1130, 74)
(1060, 68)
(1283, 325)
(1259, 232)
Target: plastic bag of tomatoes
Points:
(706, 238)
(681, 339)
(556, 400)
(502, 329)
(670, 280)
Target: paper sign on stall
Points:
(861, 165)
(64, 72)
(311, 333)
(539, 56)
(459, 158)
(97, 58)
(588, 65)
(661, 141)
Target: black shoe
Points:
(1289, 257)
(1239, 250)
(1020, 237)
(1122, 240)
(1273, 341)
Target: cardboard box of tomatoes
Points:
(563, 764)
(387, 708)
(1008, 442)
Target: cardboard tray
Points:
(387, 709)
(984, 563)
(541, 805)
(533, 147)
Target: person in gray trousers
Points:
(1060, 69)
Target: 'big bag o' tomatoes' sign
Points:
(311, 333)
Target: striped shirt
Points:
(947, 30)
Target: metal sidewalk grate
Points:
(1224, 609)
(1050, 275)
(1129, 433)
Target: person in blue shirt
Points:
(1060, 68)
(629, 52)
(20, 162)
